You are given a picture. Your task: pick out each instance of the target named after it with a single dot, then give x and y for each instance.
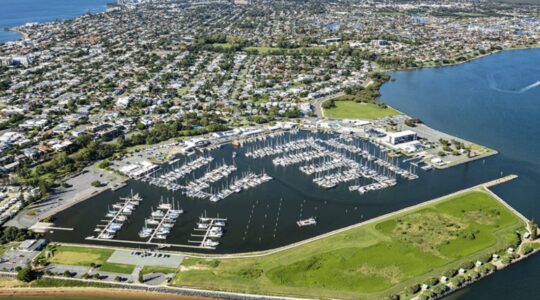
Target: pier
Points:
(45, 226)
(209, 227)
(117, 217)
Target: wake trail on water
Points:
(532, 86)
(493, 85)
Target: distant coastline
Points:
(387, 70)
(19, 15)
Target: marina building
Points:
(402, 137)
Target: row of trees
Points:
(84, 151)
(14, 234)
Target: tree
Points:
(141, 277)
(10, 234)
(328, 104)
(412, 122)
(25, 274)
(67, 273)
(96, 183)
(104, 164)
(533, 227)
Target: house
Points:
(30, 153)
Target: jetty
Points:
(115, 218)
(212, 228)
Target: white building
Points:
(402, 137)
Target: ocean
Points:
(19, 12)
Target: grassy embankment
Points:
(373, 260)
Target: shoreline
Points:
(23, 35)
(536, 46)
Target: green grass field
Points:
(157, 269)
(373, 260)
(117, 268)
(79, 256)
(354, 110)
(222, 45)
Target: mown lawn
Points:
(79, 256)
(356, 110)
(157, 269)
(371, 261)
(117, 268)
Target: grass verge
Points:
(117, 268)
(77, 256)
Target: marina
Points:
(115, 217)
(209, 230)
(319, 175)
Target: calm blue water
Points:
(494, 101)
(20, 12)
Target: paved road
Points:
(80, 190)
(318, 102)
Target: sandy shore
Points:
(87, 293)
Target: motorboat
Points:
(307, 222)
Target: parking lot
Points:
(142, 258)
(16, 258)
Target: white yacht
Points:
(307, 222)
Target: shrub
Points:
(328, 104)
(413, 289)
(432, 281)
(141, 277)
(104, 164)
(26, 274)
(526, 249)
(486, 258)
(450, 273)
(458, 281)
(250, 273)
(467, 265)
(96, 183)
